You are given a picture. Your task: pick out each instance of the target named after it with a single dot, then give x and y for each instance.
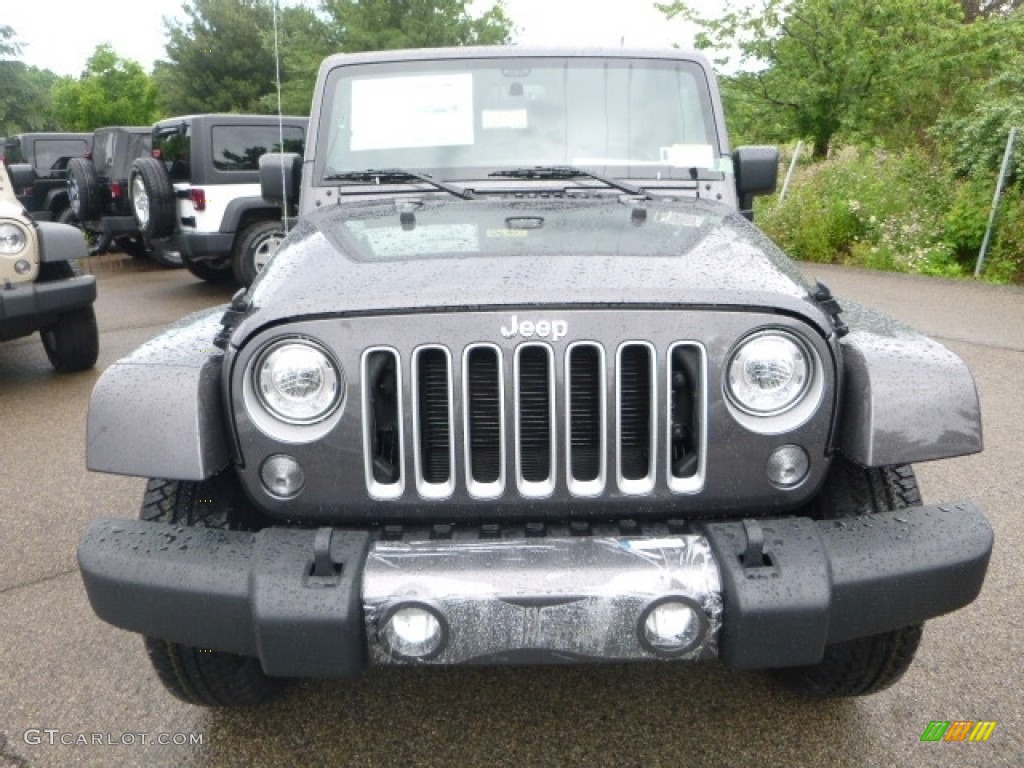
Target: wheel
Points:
(83, 189)
(253, 249)
(152, 197)
(92, 239)
(196, 675)
(73, 342)
(218, 271)
(866, 664)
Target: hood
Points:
(416, 255)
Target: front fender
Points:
(158, 411)
(906, 398)
(60, 242)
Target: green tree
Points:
(218, 59)
(25, 103)
(822, 64)
(303, 42)
(367, 25)
(111, 91)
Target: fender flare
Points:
(158, 412)
(906, 398)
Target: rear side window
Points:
(172, 148)
(239, 147)
(54, 154)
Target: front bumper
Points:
(309, 603)
(27, 307)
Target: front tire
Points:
(870, 664)
(72, 343)
(196, 675)
(254, 248)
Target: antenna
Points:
(280, 122)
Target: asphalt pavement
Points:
(75, 691)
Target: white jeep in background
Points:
(200, 191)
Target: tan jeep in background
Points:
(39, 287)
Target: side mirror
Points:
(281, 177)
(23, 175)
(757, 173)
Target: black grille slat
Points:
(635, 412)
(585, 422)
(684, 415)
(385, 430)
(534, 410)
(484, 414)
(434, 416)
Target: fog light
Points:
(282, 476)
(787, 466)
(22, 267)
(672, 626)
(414, 631)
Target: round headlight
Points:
(297, 382)
(768, 374)
(12, 239)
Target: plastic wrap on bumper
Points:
(541, 600)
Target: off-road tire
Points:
(195, 675)
(83, 189)
(219, 272)
(73, 342)
(152, 197)
(253, 248)
(867, 664)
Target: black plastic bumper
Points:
(203, 245)
(36, 305)
(268, 595)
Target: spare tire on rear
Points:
(83, 189)
(152, 197)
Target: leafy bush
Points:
(868, 208)
(1005, 262)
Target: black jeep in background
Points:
(46, 198)
(97, 190)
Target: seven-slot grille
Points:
(658, 405)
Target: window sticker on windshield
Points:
(424, 240)
(510, 119)
(400, 112)
(689, 155)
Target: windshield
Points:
(458, 118)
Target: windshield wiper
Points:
(398, 176)
(568, 172)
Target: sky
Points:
(60, 35)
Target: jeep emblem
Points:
(544, 329)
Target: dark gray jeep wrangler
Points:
(524, 385)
